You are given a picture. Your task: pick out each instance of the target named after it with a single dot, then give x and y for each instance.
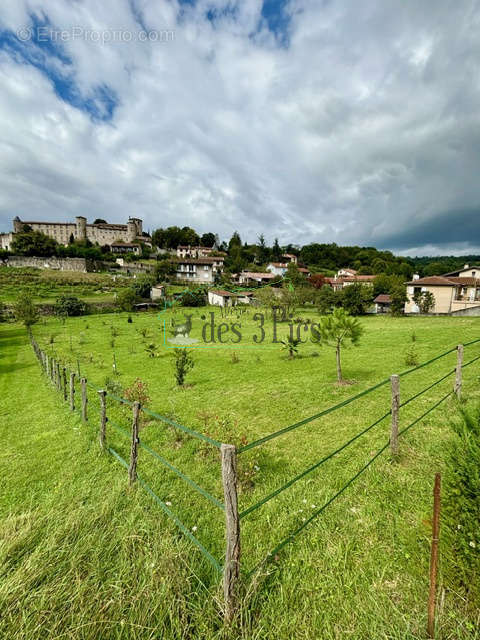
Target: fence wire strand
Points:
(310, 469)
(184, 477)
(316, 513)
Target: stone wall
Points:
(59, 264)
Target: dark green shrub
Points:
(462, 501)
(70, 306)
(193, 298)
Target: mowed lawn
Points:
(360, 570)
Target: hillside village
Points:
(380, 283)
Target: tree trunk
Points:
(339, 364)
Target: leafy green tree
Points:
(70, 306)
(25, 311)
(165, 270)
(294, 276)
(34, 243)
(327, 299)
(276, 251)
(356, 298)
(262, 250)
(126, 299)
(337, 330)
(99, 221)
(207, 240)
(425, 300)
(398, 298)
(142, 285)
(235, 242)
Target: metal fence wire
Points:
(120, 413)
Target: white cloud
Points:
(364, 129)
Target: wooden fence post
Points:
(72, 391)
(132, 469)
(434, 557)
(395, 387)
(231, 569)
(57, 375)
(458, 372)
(64, 378)
(84, 400)
(103, 418)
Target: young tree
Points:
(337, 330)
(183, 364)
(291, 345)
(25, 311)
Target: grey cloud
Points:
(364, 130)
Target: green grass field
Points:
(46, 285)
(85, 557)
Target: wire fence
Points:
(113, 412)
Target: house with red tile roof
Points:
(457, 291)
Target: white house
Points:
(222, 298)
(252, 277)
(277, 268)
(157, 292)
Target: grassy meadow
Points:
(83, 556)
(46, 285)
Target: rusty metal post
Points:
(434, 557)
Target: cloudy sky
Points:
(310, 120)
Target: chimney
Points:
(467, 266)
(416, 276)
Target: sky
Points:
(306, 120)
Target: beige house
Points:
(341, 280)
(457, 291)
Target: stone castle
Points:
(63, 232)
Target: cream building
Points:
(455, 291)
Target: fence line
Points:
(344, 403)
(57, 374)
